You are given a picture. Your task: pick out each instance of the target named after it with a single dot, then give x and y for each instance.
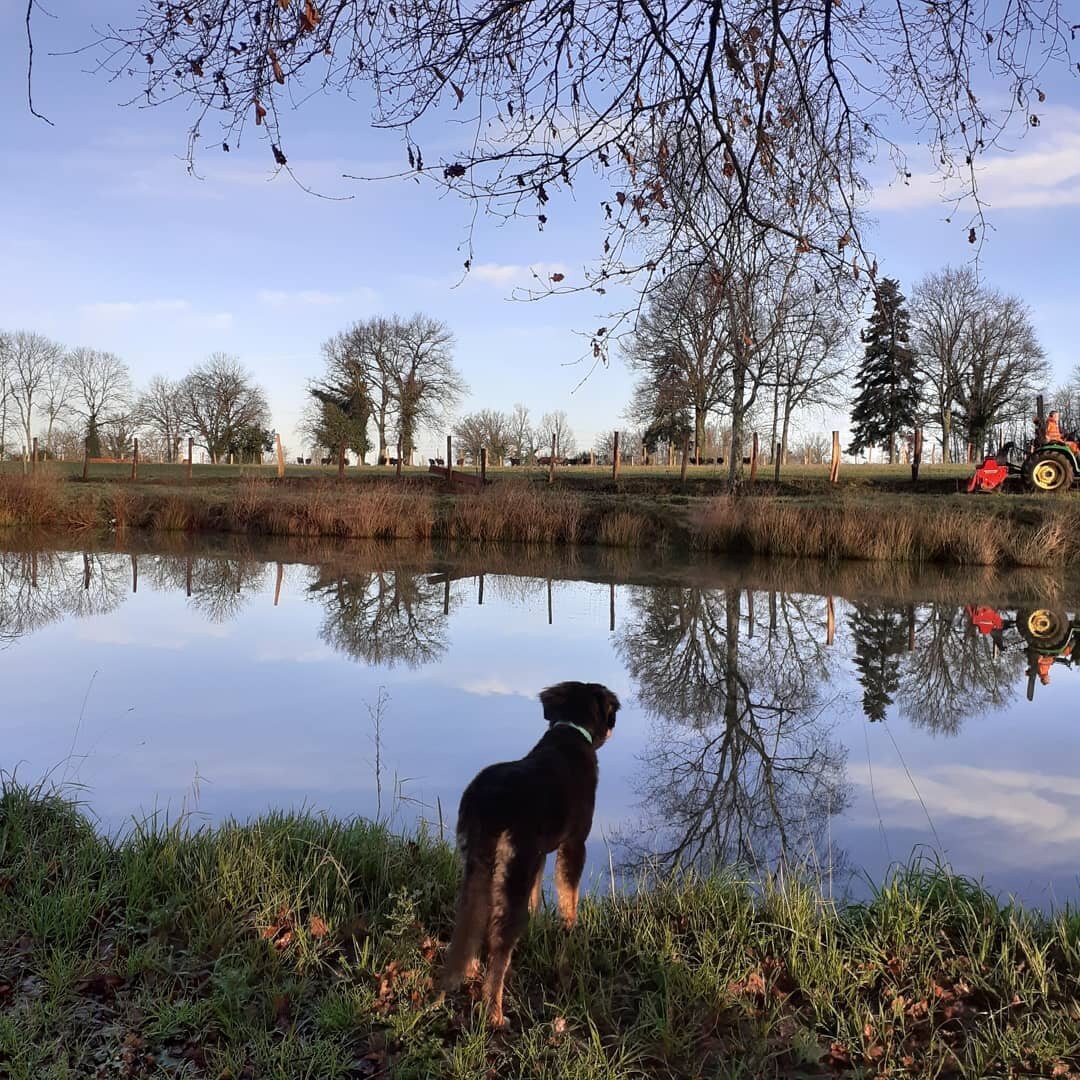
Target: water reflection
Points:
(769, 707)
(741, 765)
(699, 654)
(383, 616)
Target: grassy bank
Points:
(305, 947)
(835, 524)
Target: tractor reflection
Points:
(1049, 635)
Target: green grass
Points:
(701, 479)
(301, 946)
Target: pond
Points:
(847, 717)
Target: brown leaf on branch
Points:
(260, 113)
(557, 278)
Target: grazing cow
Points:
(307, 461)
(299, 461)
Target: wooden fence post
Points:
(615, 458)
(1040, 419)
(611, 607)
(776, 463)
(834, 465)
(916, 457)
(135, 460)
(341, 462)
(397, 468)
(480, 591)
(551, 462)
(830, 620)
(753, 458)
(449, 461)
(483, 473)
(134, 574)
(33, 460)
(190, 456)
(685, 458)
(280, 460)
(277, 584)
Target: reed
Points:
(848, 525)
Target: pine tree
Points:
(888, 383)
(93, 438)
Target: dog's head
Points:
(589, 705)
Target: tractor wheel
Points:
(1050, 473)
(1045, 628)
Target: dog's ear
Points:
(607, 705)
(557, 702)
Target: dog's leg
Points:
(463, 955)
(538, 887)
(511, 887)
(569, 865)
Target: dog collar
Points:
(576, 727)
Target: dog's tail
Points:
(474, 907)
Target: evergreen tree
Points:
(93, 438)
(880, 636)
(888, 383)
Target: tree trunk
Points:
(776, 418)
(738, 408)
(699, 432)
(784, 433)
(946, 435)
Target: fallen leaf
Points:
(317, 928)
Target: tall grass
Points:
(904, 530)
(874, 527)
(297, 945)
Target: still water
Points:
(844, 717)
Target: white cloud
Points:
(316, 297)
(1044, 173)
(127, 309)
(1046, 808)
(491, 686)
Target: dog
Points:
(512, 815)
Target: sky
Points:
(109, 242)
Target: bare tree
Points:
(161, 408)
(486, 428)
(427, 385)
(220, 399)
(943, 305)
(5, 390)
(32, 359)
(102, 387)
(1004, 367)
(811, 358)
(548, 93)
(56, 397)
(682, 339)
(558, 424)
(522, 436)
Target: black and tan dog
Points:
(511, 816)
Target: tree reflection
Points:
(384, 616)
(954, 672)
(741, 766)
(218, 587)
(880, 639)
(39, 588)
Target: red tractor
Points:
(1051, 467)
(1049, 635)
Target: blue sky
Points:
(109, 242)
